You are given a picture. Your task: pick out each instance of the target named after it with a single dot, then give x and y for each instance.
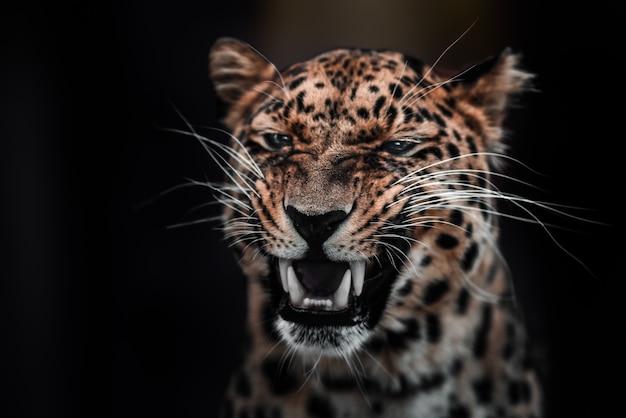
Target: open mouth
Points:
(321, 285)
(318, 293)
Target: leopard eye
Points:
(277, 141)
(398, 147)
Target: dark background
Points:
(106, 311)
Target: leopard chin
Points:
(330, 306)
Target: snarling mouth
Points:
(320, 293)
(321, 285)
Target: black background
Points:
(108, 312)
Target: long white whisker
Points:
(434, 64)
(284, 88)
(222, 162)
(246, 159)
(445, 51)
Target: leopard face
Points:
(350, 179)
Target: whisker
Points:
(434, 64)
(227, 168)
(189, 183)
(284, 88)
(192, 223)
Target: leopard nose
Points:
(317, 228)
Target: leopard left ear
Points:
(491, 84)
(237, 70)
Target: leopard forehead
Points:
(355, 96)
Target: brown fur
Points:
(393, 162)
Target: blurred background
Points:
(108, 311)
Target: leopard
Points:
(360, 200)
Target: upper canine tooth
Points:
(358, 275)
(340, 297)
(296, 292)
(283, 264)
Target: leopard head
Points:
(346, 174)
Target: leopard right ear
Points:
(235, 69)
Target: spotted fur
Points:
(362, 160)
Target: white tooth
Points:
(358, 275)
(317, 303)
(296, 292)
(341, 295)
(283, 264)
